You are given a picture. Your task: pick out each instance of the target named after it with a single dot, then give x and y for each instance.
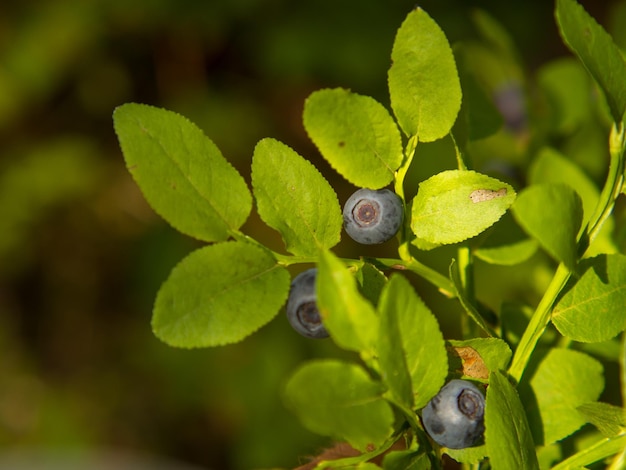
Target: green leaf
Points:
(411, 350)
(549, 166)
(349, 318)
(592, 307)
(219, 294)
(507, 435)
(454, 205)
(609, 419)
(596, 50)
(406, 460)
(564, 380)
(371, 281)
(340, 400)
(295, 199)
(549, 455)
(423, 81)
(552, 214)
(355, 134)
(181, 172)
(595, 452)
(567, 87)
(506, 244)
(469, 455)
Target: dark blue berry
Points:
(371, 217)
(302, 311)
(454, 417)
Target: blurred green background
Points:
(82, 379)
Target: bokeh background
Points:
(83, 382)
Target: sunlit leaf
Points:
(412, 353)
(295, 199)
(596, 50)
(609, 419)
(219, 294)
(181, 172)
(406, 460)
(355, 134)
(340, 400)
(549, 166)
(507, 435)
(423, 81)
(349, 318)
(592, 307)
(564, 380)
(455, 205)
(552, 214)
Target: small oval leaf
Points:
(294, 198)
(178, 167)
(591, 309)
(455, 205)
(596, 50)
(412, 353)
(507, 435)
(219, 294)
(340, 400)
(355, 134)
(549, 166)
(349, 318)
(564, 380)
(423, 81)
(552, 214)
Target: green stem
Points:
(538, 323)
(287, 260)
(401, 172)
(613, 186)
(437, 279)
(541, 317)
(404, 234)
(407, 261)
(619, 462)
(598, 451)
(465, 269)
(461, 157)
(466, 272)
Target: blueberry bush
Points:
(532, 383)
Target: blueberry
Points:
(372, 217)
(302, 311)
(510, 101)
(454, 417)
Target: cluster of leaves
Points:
(536, 396)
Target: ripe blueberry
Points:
(454, 417)
(302, 311)
(372, 217)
